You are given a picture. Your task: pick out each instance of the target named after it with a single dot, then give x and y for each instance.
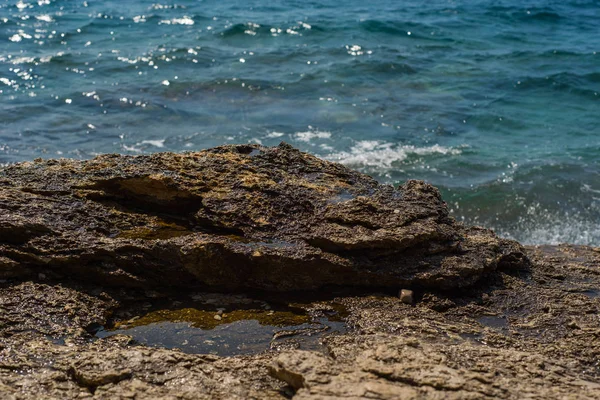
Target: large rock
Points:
(235, 216)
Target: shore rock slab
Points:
(242, 216)
(446, 346)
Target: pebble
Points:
(218, 317)
(220, 311)
(41, 276)
(406, 296)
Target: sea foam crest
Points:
(382, 155)
(554, 228)
(312, 134)
(185, 20)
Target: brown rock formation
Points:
(235, 216)
(86, 243)
(533, 335)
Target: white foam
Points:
(7, 81)
(536, 224)
(273, 135)
(178, 21)
(131, 148)
(312, 134)
(383, 155)
(555, 229)
(155, 143)
(45, 18)
(587, 188)
(22, 60)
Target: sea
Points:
(495, 102)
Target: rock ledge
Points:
(234, 217)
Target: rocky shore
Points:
(91, 252)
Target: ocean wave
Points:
(185, 20)
(564, 81)
(383, 156)
(543, 16)
(311, 134)
(388, 27)
(143, 146)
(407, 29)
(546, 227)
(377, 66)
(241, 29)
(535, 203)
(253, 29)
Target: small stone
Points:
(218, 317)
(41, 276)
(406, 296)
(220, 311)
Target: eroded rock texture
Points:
(231, 217)
(530, 335)
(84, 244)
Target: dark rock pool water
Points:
(228, 325)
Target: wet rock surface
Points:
(94, 245)
(532, 334)
(235, 217)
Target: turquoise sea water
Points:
(495, 102)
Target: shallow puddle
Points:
(228, 325)
(497, 323)
(342, 197)
(592, 293)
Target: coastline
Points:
(500, 321)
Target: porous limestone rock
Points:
(444, 347)
(242, 216)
